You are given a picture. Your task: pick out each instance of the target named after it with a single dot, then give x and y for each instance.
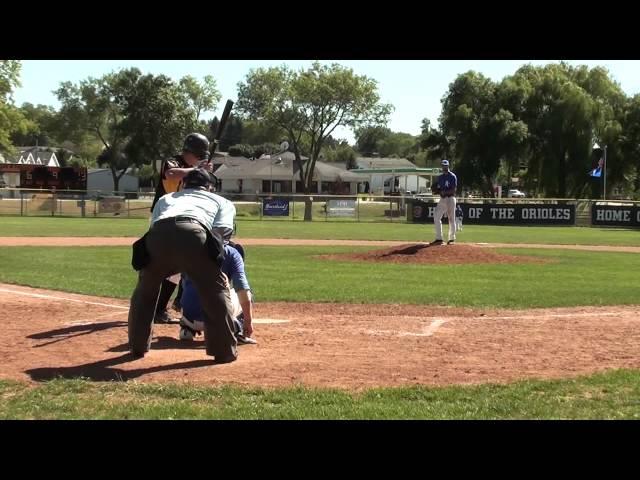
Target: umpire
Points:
(181, 240)
(195, 150)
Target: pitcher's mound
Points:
(436, 254)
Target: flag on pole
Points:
(597, 172)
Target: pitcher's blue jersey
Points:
(447, 181)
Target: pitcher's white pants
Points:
(445, 205)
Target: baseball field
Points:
(361, 321)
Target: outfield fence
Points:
(333, 208)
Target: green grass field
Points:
(569, 278)
(294, 274)
(120, 227)
(610, 395)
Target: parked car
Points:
(514, 193)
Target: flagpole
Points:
(604, 173)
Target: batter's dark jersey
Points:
(166, 185)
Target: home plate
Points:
(269, 320)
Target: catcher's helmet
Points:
(197, 144)
(199, 177)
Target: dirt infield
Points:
(54, 334)
(420, 253)
(127, 241)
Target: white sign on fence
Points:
(341, 208)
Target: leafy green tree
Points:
(309, 105)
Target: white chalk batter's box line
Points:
(63, 299)
(270, 320)
(125, 309)
(507, 317)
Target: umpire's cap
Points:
(197, 144)
(199, 178)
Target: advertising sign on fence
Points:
(501, 214)
(275, 207)
(341, 208)
(614, 215)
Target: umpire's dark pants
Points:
(178, 246)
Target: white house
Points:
(392, 175)
(33, 156)
(26, 156)
(279, 173)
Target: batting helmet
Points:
(197, 144)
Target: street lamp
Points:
(278, 161)
(604, 169)
(284, 146)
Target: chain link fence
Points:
(280, 207)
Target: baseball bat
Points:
(221, 125)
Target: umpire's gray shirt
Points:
(211, 210)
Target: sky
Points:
(413, 87)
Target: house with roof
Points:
(41, 156)
(280, 173)
(44, 156)
(389, 175)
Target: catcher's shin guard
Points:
(196, 325)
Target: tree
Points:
(265, 149)
(467, 111)
(96, 106)
(368, 139)
(566, 109)
(136, 118)
(309, 105)
(156, 119)
(43, 126)
(12, 121)
(398, 144)
(241, 150)
(256, 132)
(629, 146)
(541, 119)
(232, 134)
(342, 153)
(434, 143)
(382, 142)
(146, 176)
(476, 132)
(200, 96)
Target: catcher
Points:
(191, 323)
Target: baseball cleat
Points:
(187, 334)
(163, 317)
(189, 330)
(197, 325)
(242, 340)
